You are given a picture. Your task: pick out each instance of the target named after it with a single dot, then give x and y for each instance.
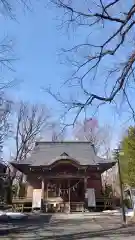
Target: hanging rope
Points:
(74, 186)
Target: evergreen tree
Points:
(127, 160)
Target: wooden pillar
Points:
(43, 188)
(46, 204)
(47, 190)
(85, 186)
(42, 193)
(85, 189)
(69, 195)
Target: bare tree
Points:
(98, 136)
(31, 123)
(104, 62)
(5, 110)
(5, 128)
(8, 9)
(7, 59)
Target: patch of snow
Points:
(2, 213)
(117, 214)
(12, 215)
(15, 215)
(110, 211)
(3, 216)
(130, 213)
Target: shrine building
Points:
(63, 176)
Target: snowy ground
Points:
(11, 215)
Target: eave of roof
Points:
(46, 153)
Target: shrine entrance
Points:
(67, 189)
(65, 195)
(65, 184)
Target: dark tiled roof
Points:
(45, 153)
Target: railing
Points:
(21, 199)
(24, 203)
(21, 204)
(104, 203)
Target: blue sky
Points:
(36, 43)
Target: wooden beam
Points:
(63, 176)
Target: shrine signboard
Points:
(36, 200)
(90, 195)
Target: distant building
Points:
(64, 174)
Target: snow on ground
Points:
(128, 212)
(11, 215)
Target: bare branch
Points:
(102, 50)
(58, 133)
(8, 7)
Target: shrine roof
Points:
(46, 153)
